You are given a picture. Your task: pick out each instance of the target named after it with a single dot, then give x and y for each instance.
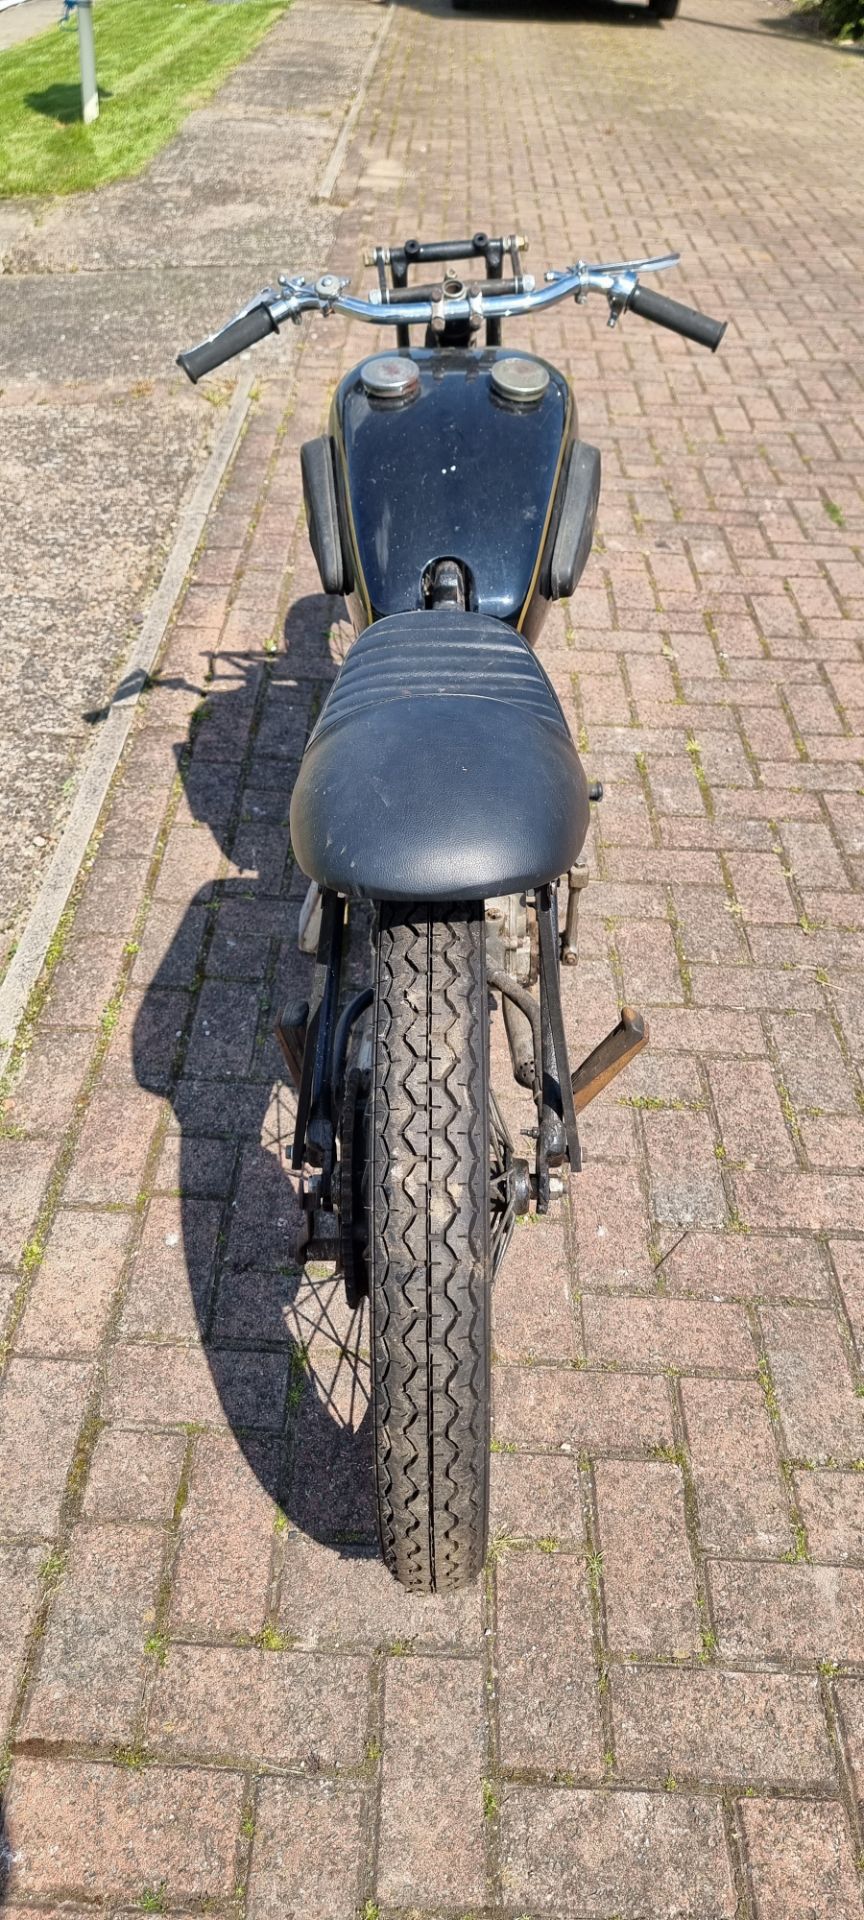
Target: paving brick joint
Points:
(213, 1698)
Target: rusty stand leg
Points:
(291, 1034)
(610, 1057)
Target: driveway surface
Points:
(102, 440)
(24, 20)
(653, 1706)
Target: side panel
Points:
(456, 473)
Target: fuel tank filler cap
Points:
(522, 381)
(390, 376)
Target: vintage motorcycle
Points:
(450, 503)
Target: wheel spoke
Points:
(502, 1211)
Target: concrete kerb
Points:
(29, 957)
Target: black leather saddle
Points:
(440, 767)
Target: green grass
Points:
(155, 60)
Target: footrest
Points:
(610, 1057)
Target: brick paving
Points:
(214, 1698)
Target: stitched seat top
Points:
(440, 768)
(432, 655)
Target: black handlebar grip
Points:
(239, 334)
(683, 320)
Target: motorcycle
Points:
(451, 502)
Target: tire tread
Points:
(429, 1243)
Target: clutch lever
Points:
(659, 264)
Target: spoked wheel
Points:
(504, 1185)
(438, 1200)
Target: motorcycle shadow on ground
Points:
(287, 1357)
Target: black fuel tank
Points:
(454, 472)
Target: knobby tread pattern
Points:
(429, 1257)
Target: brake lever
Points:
(658, 264)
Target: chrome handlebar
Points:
(460, 301)
(456, 301)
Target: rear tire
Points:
(429, 1243)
